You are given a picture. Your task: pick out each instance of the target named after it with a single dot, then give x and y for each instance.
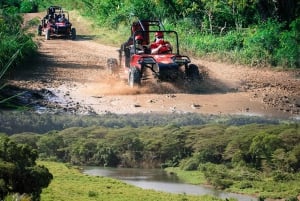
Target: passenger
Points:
(57, 17)
(160, 46)
(62, 18)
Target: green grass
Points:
(71, 185)
(86, 26)
(191, 177)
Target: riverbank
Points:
(70, 184)
(160, 180)
(259, 189)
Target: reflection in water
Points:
(159, 180)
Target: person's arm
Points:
(168, 44)
(155, 50)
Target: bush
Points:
(279, 176)
(245, 184)
(189, 164)
(217, 175)
(92, 194)
(28, 6)
(17, 163)
(292, 199)
(261, 198)
(288, 51)
(15, 45)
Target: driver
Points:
(160, 46)
(139, 44)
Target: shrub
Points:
(189, 164)
(92, 194)
(291, 199)
(279, 176)
(217, 175)
(245, 184)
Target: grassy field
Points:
(70, 185)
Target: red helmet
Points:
(159, 34)
(138, 37)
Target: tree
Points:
(52, 146)
(19, 172)
(262, 147)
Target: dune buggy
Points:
(56, 23)
(169, 66)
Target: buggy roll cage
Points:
(145, 27)
(57, 10)
(156, 23)
(148, 33)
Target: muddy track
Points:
(74, 75)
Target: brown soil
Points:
(75, 72)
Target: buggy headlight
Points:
(147, 60)
(181, 59)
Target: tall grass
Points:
(15, 46)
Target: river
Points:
(160, 180)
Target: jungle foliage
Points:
(15, 44)
(225, 154)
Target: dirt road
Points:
(73, 74)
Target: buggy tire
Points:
(73, 33)
(47, 35)
(134, 78)
(192, 72)
(39, 30)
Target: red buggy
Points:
(56, 23)
(169, 66)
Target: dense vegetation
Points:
(15, 44)
(19, 172)
(235, 157)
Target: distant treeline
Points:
(21, 121)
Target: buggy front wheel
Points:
(39, 30)
(47, 35)
(73, 33)
(134, 78)
(192, 72)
